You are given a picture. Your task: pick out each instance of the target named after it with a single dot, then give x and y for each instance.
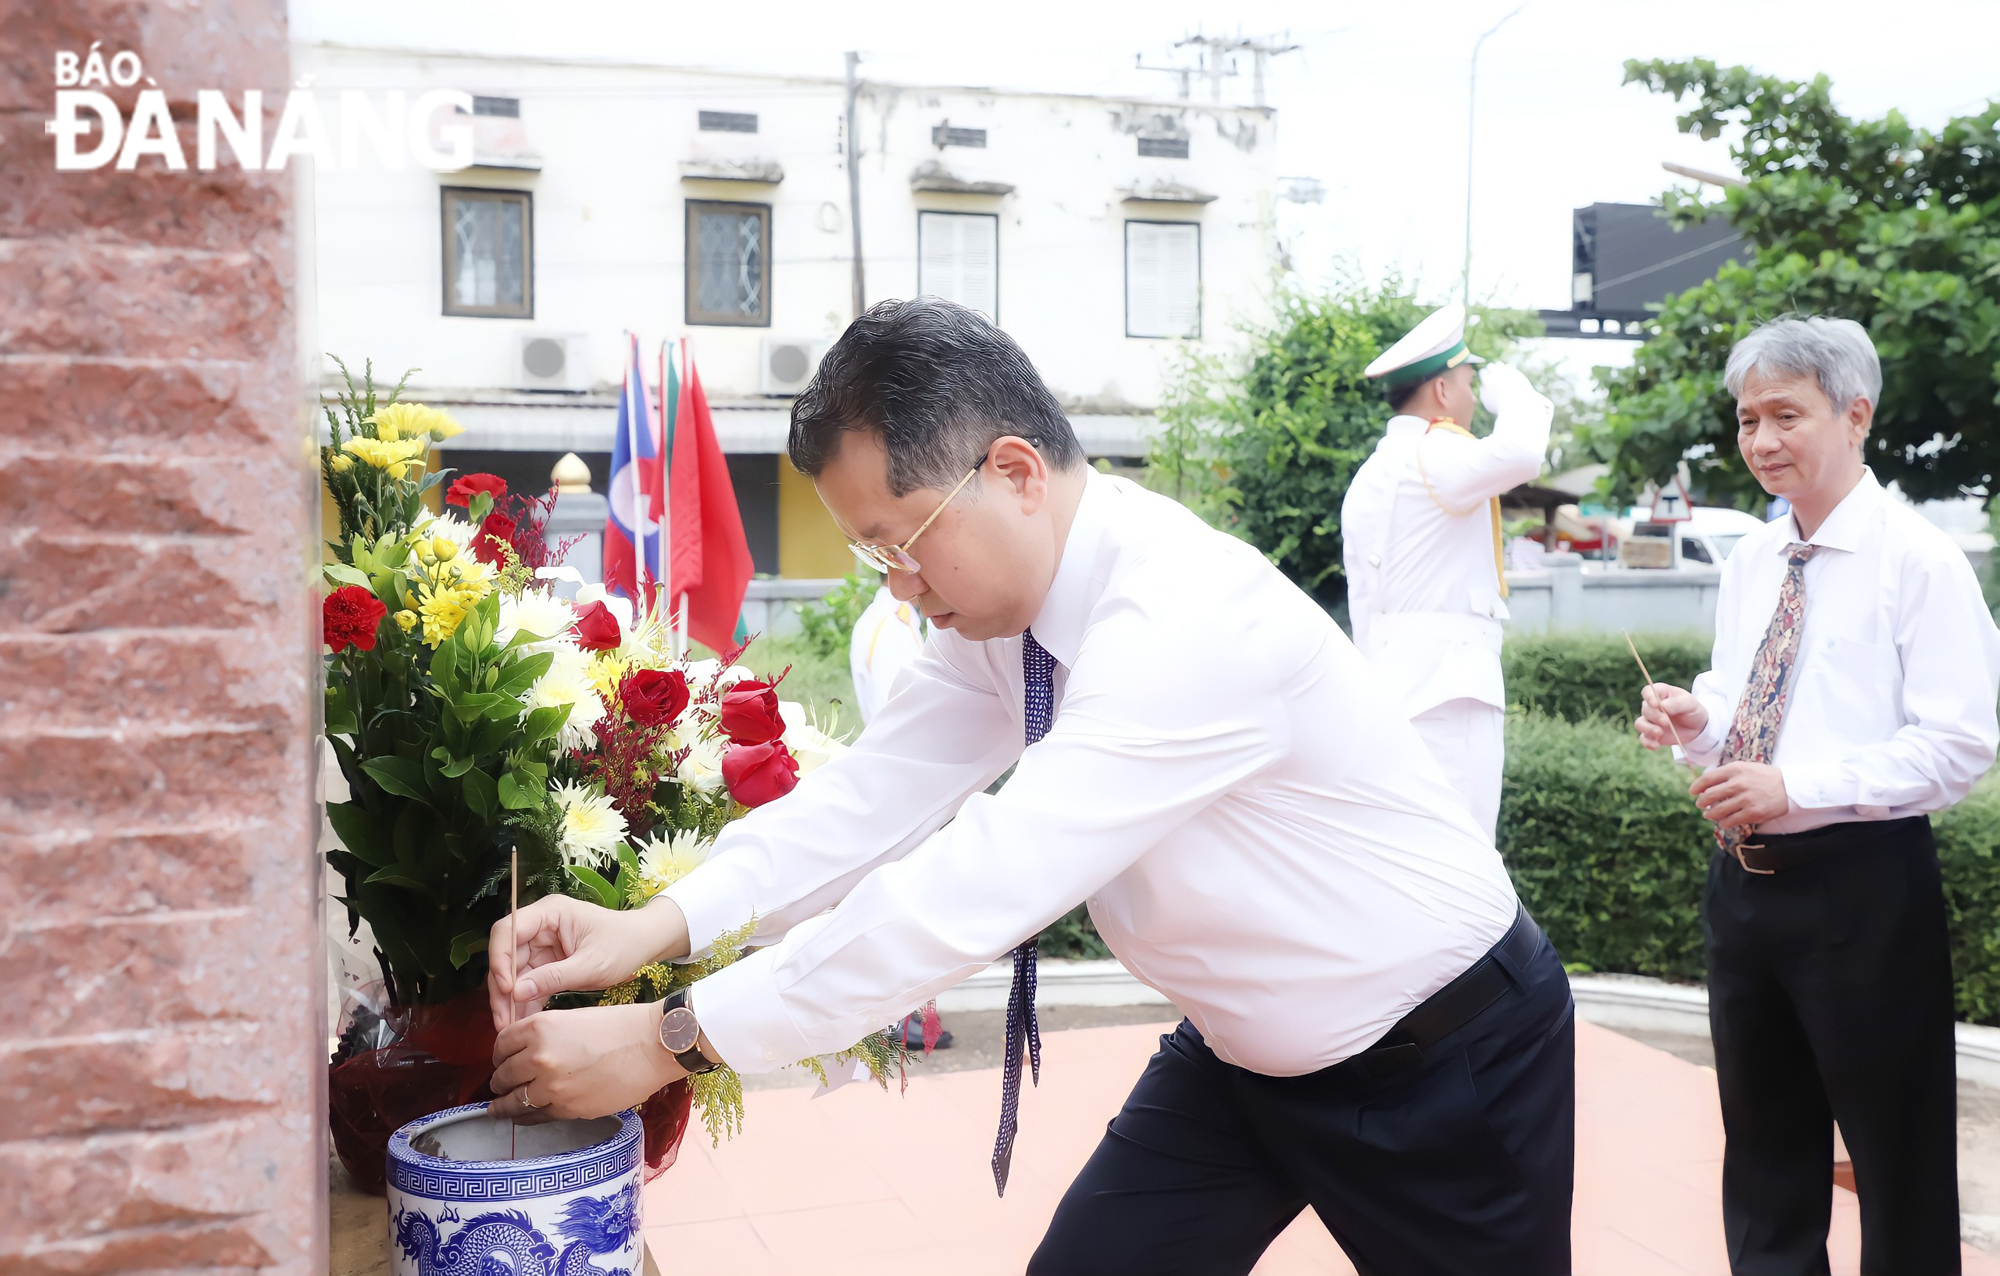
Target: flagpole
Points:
(679, 612)
(635, 485)
(661, 582)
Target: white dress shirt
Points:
(1423, 595)
(1258, 831)
(887, 640)
(1891, 711)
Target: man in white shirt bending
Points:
(1852, 695)
(1420, 540)
(1374, 1027)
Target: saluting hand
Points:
(1668, 712)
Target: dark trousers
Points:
(1460, 1160)
(1829, 997)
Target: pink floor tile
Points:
(847, 1182)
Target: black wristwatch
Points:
(681, 1036)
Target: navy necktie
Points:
(1038, 670)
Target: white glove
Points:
(1503, 389)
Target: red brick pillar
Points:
(162, 1045)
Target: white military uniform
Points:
(1424, 587)
(887, 638)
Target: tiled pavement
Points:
(862, 1182)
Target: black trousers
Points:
(1462, 1162)
(1829, 997)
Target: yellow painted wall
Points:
(810, 547)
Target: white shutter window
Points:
(1162, 279)
(958, 259)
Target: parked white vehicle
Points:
(1708, 536)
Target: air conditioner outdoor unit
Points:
(552, 361)
(786, 364)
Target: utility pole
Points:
(854, 182)
(1215, 67)
(1471, 87)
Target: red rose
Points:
(496, 531)
(759, 773)
(466, 486)
(596, 629)
(750, 713)
(654, 697)
(349, 617)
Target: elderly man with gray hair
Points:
(1851, 695)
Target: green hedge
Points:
(1609, 854)
(1580, 676)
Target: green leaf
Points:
(519, 794)
(519, 676)
(466, 943)
(628, 859)
(342, 574)
(593, 881)
(360, 833)
(444, 665)
(400, 776)
(394, 876)
(544, 724)
(482, 795)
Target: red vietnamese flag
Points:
(710, 556)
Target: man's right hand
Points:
(1669, 712)
(566, 945)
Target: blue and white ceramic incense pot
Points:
(565, 1203)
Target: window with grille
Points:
(1163, 147)
(1162, 279)
(489, 253)
(958, 259)
(727, 121)
(945, 135)
(729, 263)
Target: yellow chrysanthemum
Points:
(607, 670)
(406, 620)
(393, 458)
(442, 607)
(341, 464)
(413, 421)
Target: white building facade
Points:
(606, 198)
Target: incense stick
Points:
(1671, 728)
(513, 953)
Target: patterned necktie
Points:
(1753, 734)
(1038, 668)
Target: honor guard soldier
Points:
(1421, 525)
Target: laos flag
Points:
(637, 494)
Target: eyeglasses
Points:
(887, 558)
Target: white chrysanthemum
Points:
(450, 526)
(704, 673)
(668, 857)
(591, 825)
(813, 747)
(538, 612)
(568, 682)
(703, 765)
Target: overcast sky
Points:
(1373, 104)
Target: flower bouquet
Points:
(493, 714)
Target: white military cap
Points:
(1436, 344)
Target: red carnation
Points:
(654, 697)
(759, 773)
(596, 629)
(497, 530)
(349, 618)
(466, 486)
(750, 713)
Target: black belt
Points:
(1773, 852)
(1449, 1008)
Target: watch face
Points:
(678, 1030)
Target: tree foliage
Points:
(1264, 444)
(1874, 220)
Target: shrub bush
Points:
(1604, 845)
(1582, 676)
